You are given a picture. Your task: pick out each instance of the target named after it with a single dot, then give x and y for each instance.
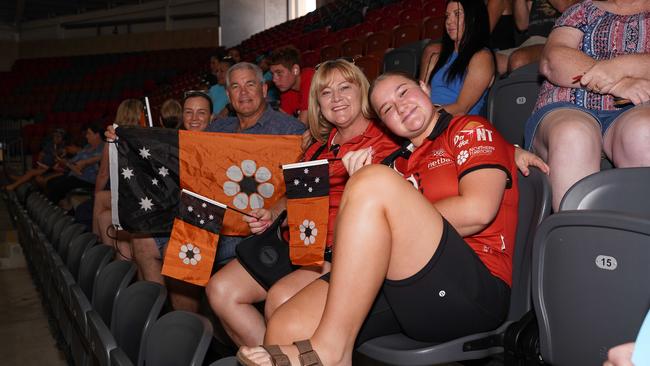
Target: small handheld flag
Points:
(193, 243)
(307, 187)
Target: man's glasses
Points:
(345, 58)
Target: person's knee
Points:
(575, 134)
(277, 295)
(632, 142)
(222, 292)
(519, 58)
(371, 178)
(284, 327)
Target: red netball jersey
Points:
(458, 146)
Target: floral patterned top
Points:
(606, 36)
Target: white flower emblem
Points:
(308, 232)
(462, 157)
(190, 254)
(248, 185)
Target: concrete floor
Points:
(25, 337)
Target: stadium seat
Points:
(377, 43)
(433, 27)
(621, 190)
(510, 103)
(397, 349)
(110, 281)
(401, 59)
(370, 65)
(178, 338)
(93, 260)
(59, 225)
(66, 237)
(352, 47)
(329, 52)
(589, 288)
(136, 307)
(434, 8)
(78, 247)
(404, 34)
(119, 358)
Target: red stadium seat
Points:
(405, 34)
(377, 43)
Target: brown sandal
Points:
(307, 357)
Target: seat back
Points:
(112, 279)
(119, 358)
(178, 338)
(403, 60)
(370, 65)
(351, 47)
(405, 33)
(61, 224)
(92, 261)
(135, 310)
(534, 207)
(510, 103)
(621, 189)
(66, 237)
(329, 52)
(78, 247)
(377, 43)
(589, 283)
(433, 27)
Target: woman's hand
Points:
(75, 168)
(636, 90)
(110, 134)
(602, 77)
(262, 220)
(525, 159)
(355, 160)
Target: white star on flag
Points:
(211, 217)
(190, 208)
(127, 173)
(202, 222)
(144, 152)
(146, 203)
(296, 182)
(310, 189)
(317, 180)
(306, 170)
(154, 182)
(163, 171)
(204, 205)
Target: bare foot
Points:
(300, 354)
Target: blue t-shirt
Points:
(89, 173)
(270, 123)
(219, 98)
(447, 93)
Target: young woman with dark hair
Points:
(460, 69)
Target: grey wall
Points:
(241, 19)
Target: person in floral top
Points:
(595, 99)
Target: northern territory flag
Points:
(193, 243)
(150, 166)
(307, 210)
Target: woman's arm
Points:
(521, 13)
(477, 204)
(480, 74)
(562, 60)
(428, 62)
(495, 9)
(604, 74)
(102, 175)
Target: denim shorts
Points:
(604, 118)
(161, 244)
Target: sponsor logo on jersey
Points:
(481, 150)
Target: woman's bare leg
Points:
(101, 204)
(290, 284)
(384, 229)
(570, 142)
(231, 293)
(147, 257)
(627, 140)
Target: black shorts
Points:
(453, 295)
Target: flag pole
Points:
(241, 212)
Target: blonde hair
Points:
(129, 112)
(319, 127)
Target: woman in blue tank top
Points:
(460, 69)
